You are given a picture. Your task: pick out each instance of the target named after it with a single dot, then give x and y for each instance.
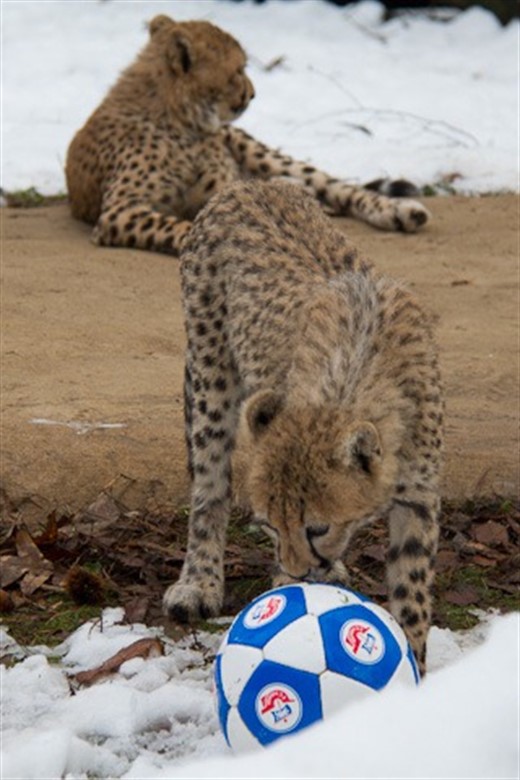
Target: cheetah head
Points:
(313, 475)
(201, 70)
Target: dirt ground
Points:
(93, 338)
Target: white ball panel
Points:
(236, 667)
(299, 645)
(338, 692)
(404, 674)
(298, 648)
(239, 735)
(224, 642)
(321, 598)
(392, 624)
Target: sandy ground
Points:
(94, 337)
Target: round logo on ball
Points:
(362, 641)
(279, 708)
(264, 611)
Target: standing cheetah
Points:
(161, 143)
(327, 373)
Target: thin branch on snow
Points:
(379, 37)
(456, 135)
(337, 83)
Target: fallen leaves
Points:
(484, 557)
(136, 609)
(29, 568)
(6, 602)
(106, 552)
(491, 533)
(478, 558)
(463, 596)
(112, 552)
(142, 648)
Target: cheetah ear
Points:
(161, 22)
(178, 51)
(362, 447)
(179, 54)
(260, 410)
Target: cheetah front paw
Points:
(185, 601)
(409, 215)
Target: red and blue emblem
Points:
(265, 610)
(279, 707)
(362, 641)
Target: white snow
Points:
(414, 97)
(156, 718)
(424, 99)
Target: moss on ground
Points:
(48, 623)
(462, 587)
(32, 198)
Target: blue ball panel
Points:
(413, 664)
(223, 706)
(279, 700)
(360, 645)
(267, 615)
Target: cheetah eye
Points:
(314, 532)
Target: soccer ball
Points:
(298, 653)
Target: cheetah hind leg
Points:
(413, 543)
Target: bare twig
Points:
(337, 83)
(439, 127)
(351, 17)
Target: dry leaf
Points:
(462, 596)
(50, 534)
(513, 589)
(483, 560)
(103, 513)
(375, 551)
(12, 569)
(6, 602)
(39, 569)
(445, 560)
(491, 533)
(136, 609)
(26, 547)
(32, 581)
(142, 648)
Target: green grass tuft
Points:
(31, 198)
(61, 618)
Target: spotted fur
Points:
(326, 374)
(161, 144)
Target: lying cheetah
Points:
(328, 372)
(160, 144)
